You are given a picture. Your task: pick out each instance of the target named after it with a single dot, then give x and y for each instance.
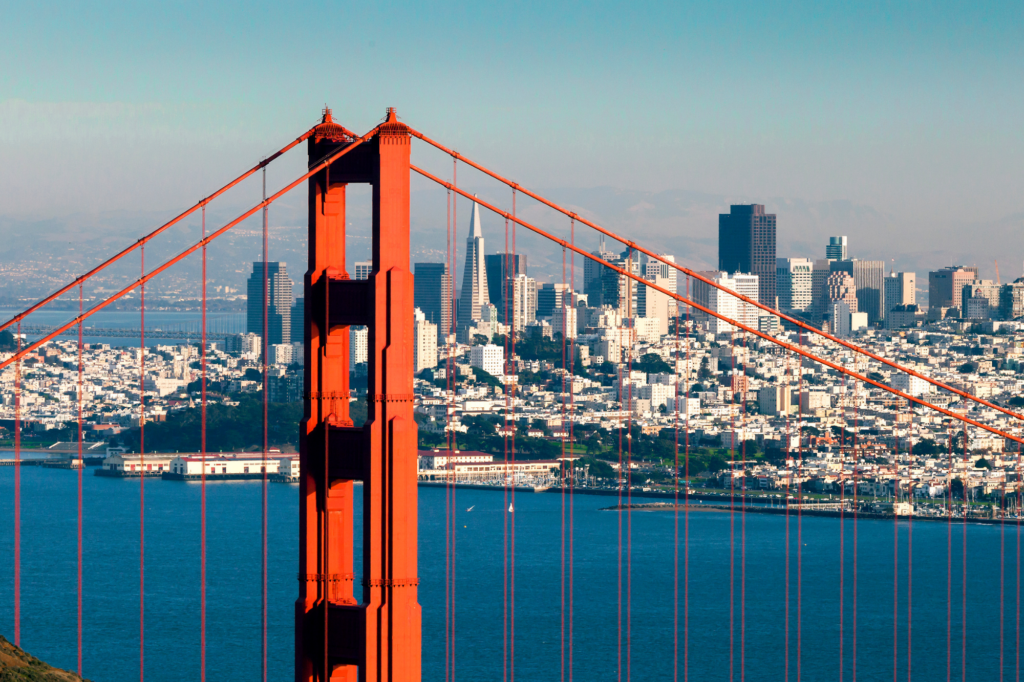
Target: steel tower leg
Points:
(377, 639)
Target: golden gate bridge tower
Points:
(336, 636)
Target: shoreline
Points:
(803, 511)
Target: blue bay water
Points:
(111, 587)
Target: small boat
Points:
(510, 508)
(471, 508)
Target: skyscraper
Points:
(945, 288)
(298, 320)
(794, 283)
(432, 294)
(549, 298)
(593, 276)
(501, 267)
(279, 309)
(868, 276)
(836, 248)
(899, 290)
(474, 277)
(746, 243)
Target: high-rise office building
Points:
(653, 268)
(836, 248)
(839, 286)
(793, 277)
(868, 276)
(474, 277)
(746, 243)
(550, 297)
(279, 307)
(363, 269)
(651, 303)
(819, 303)
(501, 267)
(620, 291)
(298, 320)
(432, 293)
(945, 288)
(899, 290)
(593, 276)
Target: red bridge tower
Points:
(338, 638)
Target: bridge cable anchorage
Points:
(143, 240)
(796, 349)
(696, 275)
(187, 252)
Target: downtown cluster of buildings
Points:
(720, 385)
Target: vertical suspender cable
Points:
(949, 558)
(629, 475)
(142, 469)
(895, 547)
(743, 525)
(562, 468)
(789, 483)
(81, 466)
(17, 494)
(202, 455)
(449, 265)
(675, 518)
(800, 527)
(266, 401)
(455, 379)
(963, 573)
(326, 410)
(506, 293)
(842, 530)
(732, 504)
(572, 439)
(512, 518)
(686, 530)
(910, 552)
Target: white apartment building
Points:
(524, 302)
(726, 304)
(564, 320)
(910, 384)
(658, 394)
(653, 304)
(358, 343)
(489, 358)
(424, 351)
(282, 354)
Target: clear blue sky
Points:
(913, 108)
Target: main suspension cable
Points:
(316, 168)
(144, 240)
(796, 349)
(710, 282)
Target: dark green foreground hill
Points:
(18, 666)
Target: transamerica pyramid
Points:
(474, 277)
